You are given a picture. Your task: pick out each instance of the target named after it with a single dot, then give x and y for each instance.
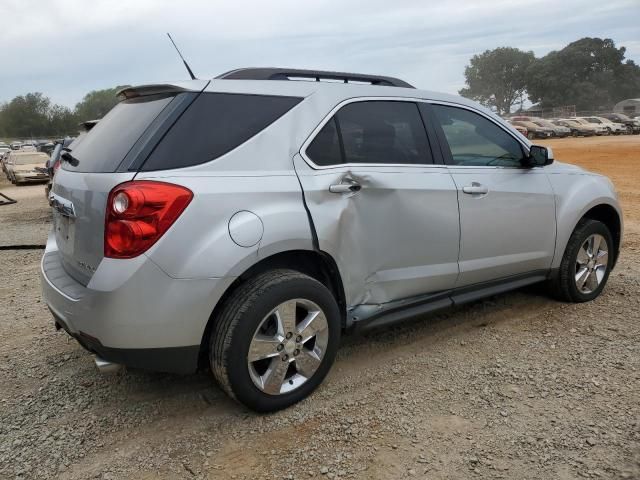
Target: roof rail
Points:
(317, 75)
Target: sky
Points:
(66, 48)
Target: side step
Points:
(366, 317)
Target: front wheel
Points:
(275, 340)
(531, 135)
(586, 263)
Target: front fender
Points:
(576, 194)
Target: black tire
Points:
(563, 285)
(239, 318)
(531, 135)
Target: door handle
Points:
(475, 188)
(352, 187)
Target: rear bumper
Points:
(168, 359)
(131, 312)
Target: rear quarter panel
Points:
(199, 244)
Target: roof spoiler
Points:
(143, 90)
(317, 75)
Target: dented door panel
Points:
(397, 236)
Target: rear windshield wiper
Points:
(66, 155)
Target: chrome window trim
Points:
(334, 110)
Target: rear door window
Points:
(325, 149)
(373, 132)
(215, 124)
(106, 145)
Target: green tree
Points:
(497, 78)
(62, 121)
(588, 73)
(26, 116)
(96, 104)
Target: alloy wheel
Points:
(288, 346)
(591, 263)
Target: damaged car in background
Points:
(243, 224)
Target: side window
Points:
(325, 148)
(382, 132)
(476, 141)
(214, 124)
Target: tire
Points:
(574, 133)
(531, 136)
(250, 308)
(565, 284)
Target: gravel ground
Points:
(517, 387)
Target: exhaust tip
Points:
(104, 366)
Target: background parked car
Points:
(3, 149)
(614, 128)
(557, 130)
(598, 129)
(633, 125)
(521, 129)
(27, 166)
(3, 158)
(534, 130)
(15, 145)
(576, 128)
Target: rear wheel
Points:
(275, 340)
(586, 263)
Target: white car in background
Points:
(26, 166)
(598, 129)
(612, 127)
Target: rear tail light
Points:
(56, 166)
(139, 213)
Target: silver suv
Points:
(244, 223)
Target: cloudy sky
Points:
(66, 48)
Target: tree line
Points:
(590, 73)
(34, 115)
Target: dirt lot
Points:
(515, 387)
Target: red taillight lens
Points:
(139, 213)
(56, 166)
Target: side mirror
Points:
(539, 156)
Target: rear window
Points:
(106, 145)
(27, 159)
(215, 124)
